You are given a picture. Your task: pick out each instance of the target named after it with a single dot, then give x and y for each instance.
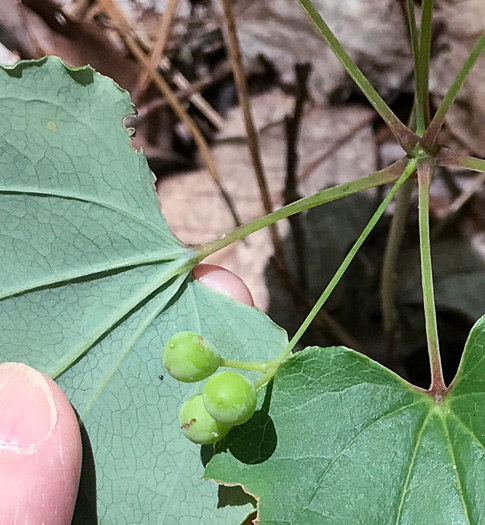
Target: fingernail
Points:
(27, 408)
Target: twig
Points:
(388, 279)
(253, 142)
(79, 8)
(336, 146)
(117, 16)
(458, 203)
(292, 128)
(196, 98)
(219, 73)
(159, 47)
(158, 59)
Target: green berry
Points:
(189, 358)
(229, 398)
(198, 425)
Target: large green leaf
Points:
(93, 283)
(346, 441)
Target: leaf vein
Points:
(411, 466)
(46, 194)
(104, 327)
(457, 474)
(93, 272)
(347, 446)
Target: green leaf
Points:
(93, 283)
(346, 441)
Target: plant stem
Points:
(418, 103)
(290, 193)
(120, 22)
(159, 48)
(388, 280)
(457, 204)
(239, 75)
(447, 157)
(425, 172)
(410, 168)
(431, 135)
(472, 163)
(263, 380)
(385, 176)
(403, 134)
(247, 365)
(424, 59)
(396, 231)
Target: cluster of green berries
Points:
(228, 399)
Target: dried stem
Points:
(472, 189)
(253, 141)
(119, 20)
(292, 128)
(388, 280)
(160, 44)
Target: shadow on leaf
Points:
(253, 442)
(85, 512)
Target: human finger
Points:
(40, 449)
(224, 281)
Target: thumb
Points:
(40, 449)
(221, 280)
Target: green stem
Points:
(418, 104)
(424, 59)
(267, 377)
(385, 176)
(247, 365)
(447, 157)
(410, 168)
(431, 135)
(472, 163)
(403, 134)
(425, 172)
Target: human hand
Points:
(221, 280)
(40, 442)
(40, 449)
